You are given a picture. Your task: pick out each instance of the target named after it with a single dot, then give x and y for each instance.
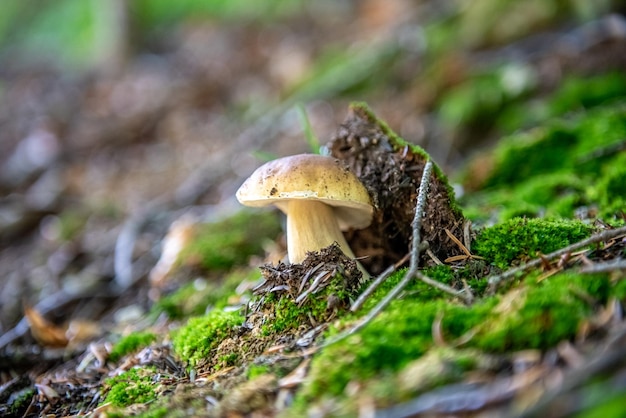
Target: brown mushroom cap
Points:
(310, 177)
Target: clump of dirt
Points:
(294, 304)
(297, 296)
(391, 169)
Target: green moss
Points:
(220, 246)
(193, 299)
(289, 315)
(560, 144)
(520, 238)
(256, 370)
(21, 400)
(542, 314)
(131, 343)
(157, 412)
(134, 386)
(587, 92)
(541, 150)
(603, 401)
(398, 335)
(610, 191)
(195, 340)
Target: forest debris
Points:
(391, 170)
(466, 252)
(179, 235)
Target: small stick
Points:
(374, 285)
(417, 226)
(619, 264)
(497, 280)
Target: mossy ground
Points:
(135, 386)
(536, 182)
(130, 343)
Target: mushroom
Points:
(319, 196)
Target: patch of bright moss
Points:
(521, 238)
(220, 246)
(195, 340)
(131, 343)
(288, 315)
(540, 315)
(137, 385)
(556, 169)
(400, 334)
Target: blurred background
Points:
(109, 109)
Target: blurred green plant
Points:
(75, 33)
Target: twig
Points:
(619, 264)
(497, 280)
(467, 298)
(374, 285)
(417, 226)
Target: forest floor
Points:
(129, 274)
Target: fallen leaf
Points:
(44, 331)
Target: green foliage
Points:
(137, 385)
(521, 238)
(131, 343)
(156, 14)
(309, 135)
(220, 246)
(195, 340)
(574, 95)
(71, 32)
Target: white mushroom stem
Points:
(311, 226)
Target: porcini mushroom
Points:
(319, 196)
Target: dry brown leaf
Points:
(45, 332)
(180, 234)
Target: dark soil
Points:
(392, 173)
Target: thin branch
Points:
(374, 285)
(497, 280)
(417, 226)
(466, 297)
(608, 266)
